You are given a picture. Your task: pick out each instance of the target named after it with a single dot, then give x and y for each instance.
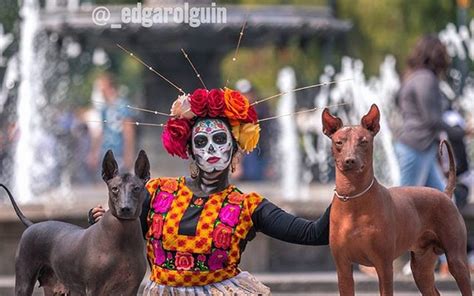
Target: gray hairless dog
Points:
(105, 259)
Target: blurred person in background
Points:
(117, 134)
(255, 166)
(420, 101)
(457, 132)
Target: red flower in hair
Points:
(251, 115)
(199, 102)
(216, 104)
(175, 136)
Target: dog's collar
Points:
(347, 197)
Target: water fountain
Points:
(41, 90)
(357, 93)
(288, 141)
(460, 45)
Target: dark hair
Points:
(429, 53)
(235, 146)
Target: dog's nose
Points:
(349, 161)
(125, 210)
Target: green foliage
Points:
(8, 14)
(116, 2)
(379, 28)
(261, 65)
(275, 2)
(392, 26)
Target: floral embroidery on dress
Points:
(162, 202)
(185, 260)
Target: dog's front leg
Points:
(344, 276)
(384, 270)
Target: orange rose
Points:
(170, 185)
(235, 198)
(236, 106)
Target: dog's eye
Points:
(136, 189)
(363, 142)
(114, 189)
(338, 143)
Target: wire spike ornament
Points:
(194, 68)
(136, 108)
(135, 57)
(298, 89)
(234, 58)
(137, 123)
(302, 111)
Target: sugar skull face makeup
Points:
(212, 145)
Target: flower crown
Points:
(216, 103)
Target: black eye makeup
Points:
(219, 138)
(200, 141)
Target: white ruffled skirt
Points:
(242, 284)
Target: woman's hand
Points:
(97, 213)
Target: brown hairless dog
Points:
(372, 225)
(105, 259)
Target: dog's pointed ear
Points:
(109, 166)
(142, 166)
(330, 123)
(371, 120)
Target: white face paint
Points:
(212, 145)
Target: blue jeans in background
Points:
(419, 168)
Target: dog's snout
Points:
(349, 161)
(125, 210)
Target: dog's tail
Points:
(452, 168)
(20, 215)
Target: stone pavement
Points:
(313, 283)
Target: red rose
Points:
(157, 226)
(199, 102)
(215, 101)
(222, 236)
(251, 115)
(176, 134)
(184, 261)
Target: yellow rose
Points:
(236, 131)
(248, 135)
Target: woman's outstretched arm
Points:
(275, 222)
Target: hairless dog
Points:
(372, 225)
(105, 259)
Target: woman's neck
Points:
(209, 183)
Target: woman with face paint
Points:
(197, 227)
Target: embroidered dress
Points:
(203, 254)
